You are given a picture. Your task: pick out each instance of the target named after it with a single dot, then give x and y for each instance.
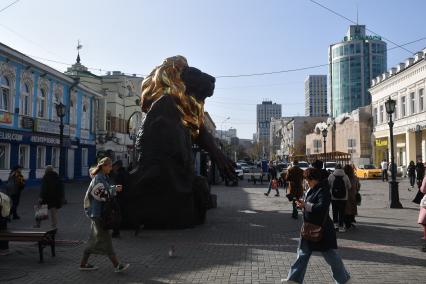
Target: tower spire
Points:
(79, 46)
(357, 14)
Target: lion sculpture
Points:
(163, 190)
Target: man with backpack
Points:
(339, 187)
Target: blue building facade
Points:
(29, 125)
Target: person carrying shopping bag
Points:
(52, 194)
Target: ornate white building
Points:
(404, 83)
(121, 102)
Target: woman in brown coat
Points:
(351, 204)
(295, 185)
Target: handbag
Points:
(41, 212)
(111, 215)
(358, 198)
(423, 202)
(312, 232)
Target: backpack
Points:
(338, 189)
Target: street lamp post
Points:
(393, 184)
(60, 111)
(324, 135)
(221, 127)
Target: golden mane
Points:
(166, 80)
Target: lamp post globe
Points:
(60, 110)
(393, 184)
(324, 133)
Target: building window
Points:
(381, 114)
(412, 103)
(317, 145)
(84, 117)
(57, 99)
(55, 157)
(403, 108)
(375, 116)
(108, 122)
(41, 103)
(25, 101)
(421, 100)
(84, 157)
(41, 157)
(72, 111)
(5, 93)
(351, 146)
(4, 156)
(24, 156)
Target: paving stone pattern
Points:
(249, 238)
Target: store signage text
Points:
(44, 140)
(380, 142)
(11, 136)
(358, 37)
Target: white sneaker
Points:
(121, 267)
(342, 230)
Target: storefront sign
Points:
(27, 123)
(44, 140)
(381, 142)
(46, 126)
(5, 117)
(11, 136)
(359, 37)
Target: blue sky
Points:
(221, 37)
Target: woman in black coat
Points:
(315, 210)
(52, 194)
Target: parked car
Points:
(244, 166)
(281, 168)
(330, 166)
(303, 165)
(368, 171)
(239, 172)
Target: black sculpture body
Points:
(163, 190)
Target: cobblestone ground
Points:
(249, 238)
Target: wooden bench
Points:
(43, 238)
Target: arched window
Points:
(72, 110)
(4, 93)
(84, 117)
(41, 103)
(57, 99)
(25, 100)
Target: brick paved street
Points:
(249, 238)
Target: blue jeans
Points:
(298, 269)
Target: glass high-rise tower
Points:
(353, 63)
